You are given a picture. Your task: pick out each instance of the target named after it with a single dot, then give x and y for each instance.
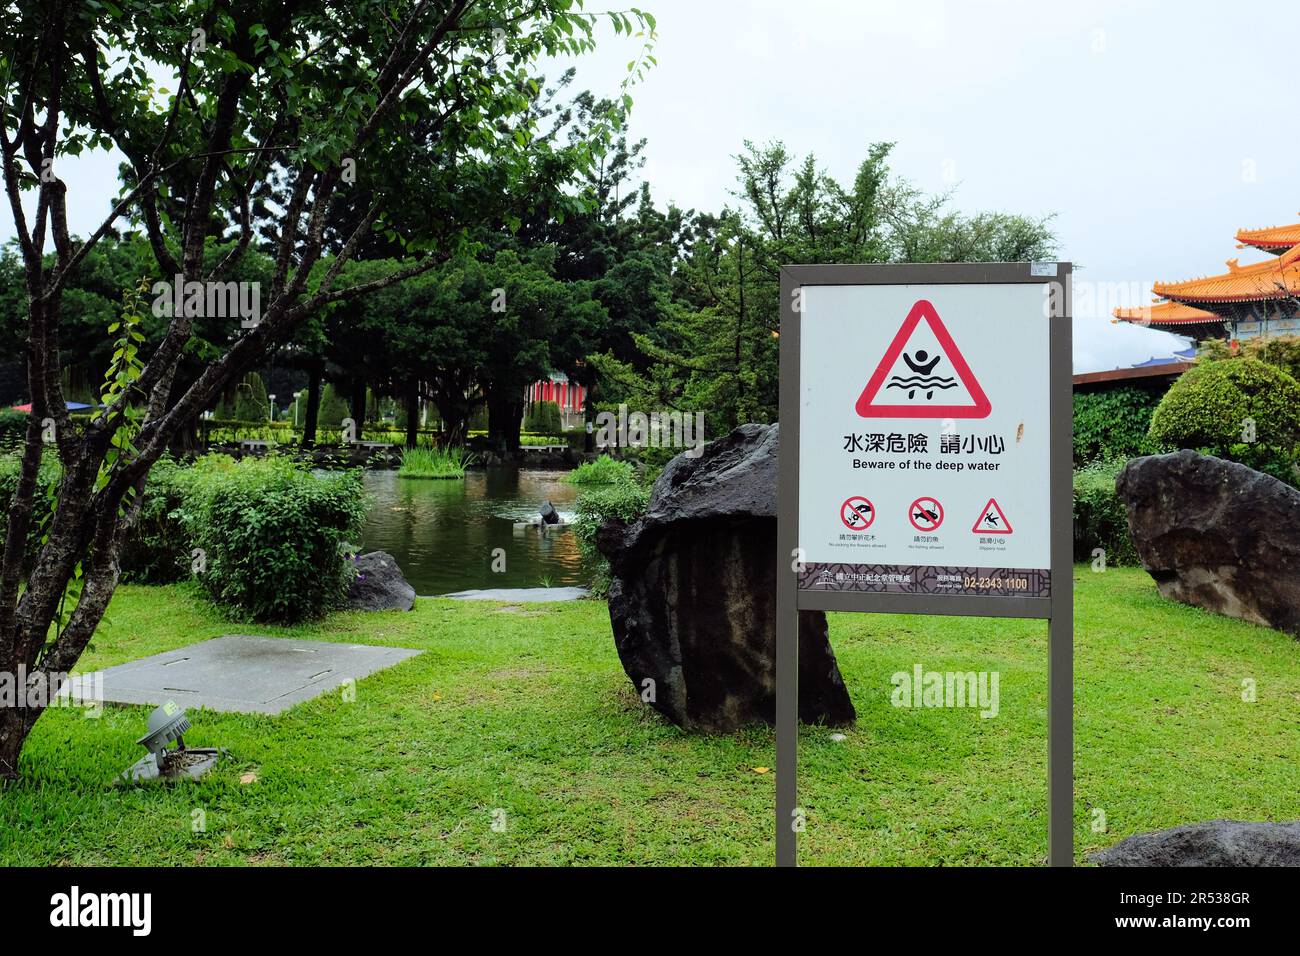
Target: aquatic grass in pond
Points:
(435, 463)
(602, 471)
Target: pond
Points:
(443, 533)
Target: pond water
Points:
(443, 533)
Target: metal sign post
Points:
(926, 418)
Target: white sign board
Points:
(924, 439)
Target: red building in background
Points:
(569, 396)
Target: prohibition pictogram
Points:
(926, 514)
(857, 513)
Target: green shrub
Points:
(157, 551)
(13, 428)
(47, 481)
(1100, 519)
(543, 418)
(1113, 424)
(595, 505)
(273, 534)
(1216, 405)
(604, 470)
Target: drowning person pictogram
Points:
(921, 379)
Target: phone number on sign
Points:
(1011, 584)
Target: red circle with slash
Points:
(857, 513)
(927, 510)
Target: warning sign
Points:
(857, 513)
(992, 520)
(950, 494)
(936, 387)
(923, 374)
(926, 514)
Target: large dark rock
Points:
(693, 597)
(379, 585)
(1217, 535)
(1217, 843)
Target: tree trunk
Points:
(450, 391)
(186, 439)
(412, 411)
(313, 405)
(589, 419)
(15, 724)
(454, 413)
(504, 418)
(359, 403)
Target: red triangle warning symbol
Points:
(992, 520)
(926, 380)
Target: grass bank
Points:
(526, 710)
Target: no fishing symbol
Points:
(926, 514)
(857, 513)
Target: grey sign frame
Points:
(1057, 609)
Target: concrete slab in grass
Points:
(243, 674)
(520, 595)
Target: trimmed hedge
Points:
(1240, 409)
(1210, 404)
(273, 534)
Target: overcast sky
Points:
(1152, 131)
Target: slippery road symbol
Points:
(992, 520)
(925, 514)
(857, 513)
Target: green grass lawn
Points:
(527, 710)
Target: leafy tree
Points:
(478, 333)
(717, 349)
(324, 96)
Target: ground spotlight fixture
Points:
(166, 725)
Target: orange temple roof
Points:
(1166, 313)
(1276, 278)
(1272, 239)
